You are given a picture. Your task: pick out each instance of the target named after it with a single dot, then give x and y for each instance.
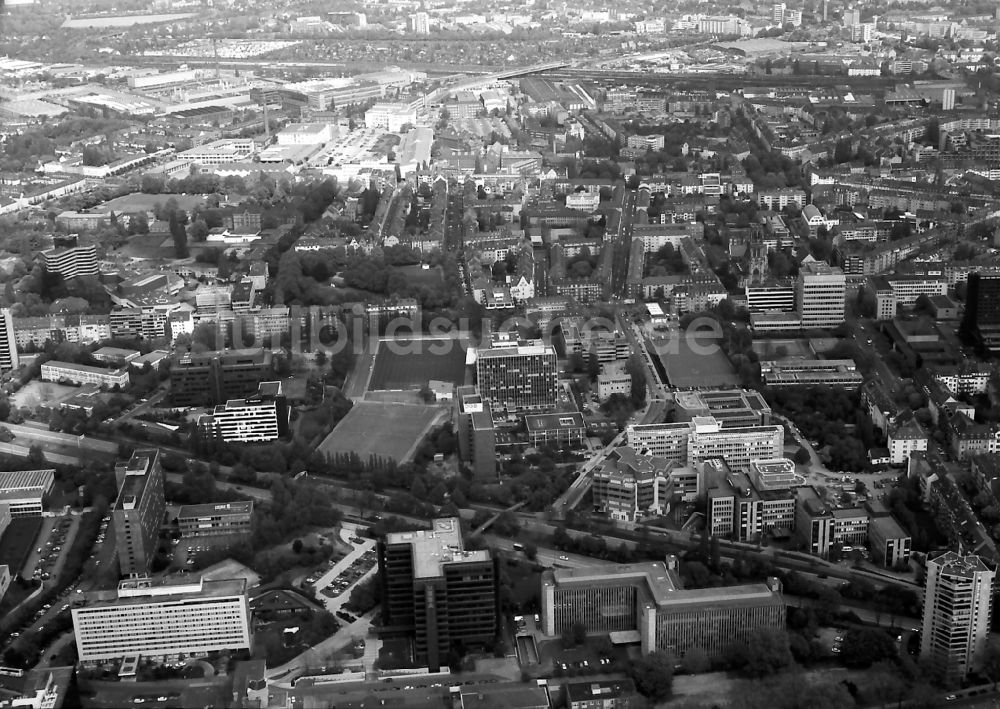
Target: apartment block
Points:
(146, 617)
(8, 342)
(257, 419)
(56, 371)
(958, 603)
(71, 262)
(138, 511)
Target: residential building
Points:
(24, 492)
(8, 342)
(164, 616)
(644, 599)
(820, 295)
(143, 323)
(215, 518)
(210, 378)
(629, 486)
(56, 371)
(72, 261)
(958, 603)
(477, 438)
(437, 591)
(518, 375)
(138, 512)
(981, 323)
(905, 436)
(257, 419)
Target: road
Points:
(141, 408)
(39, 433)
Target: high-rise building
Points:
(477, 438)
(70, 262)
(645, 598)
(163, 616)
(139, 510)
(958, 601)
(420, 23)
(981, 323)
(211, 378)
(518, 376)
(820, 293)
(436, 591)
(778, 13)
(257, 419)
(8, 342)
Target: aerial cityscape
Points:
(457, 355)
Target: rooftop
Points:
(434, 547)
(964, 565)
(219, 508)
(548, 422)
(165, 589)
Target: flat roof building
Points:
(163, 616)
(518, 376)
(56, 371)
(211, 378)
(257, 419)
(24, 491)
(215, 518)
(477, 438)
(561, 429)
(139, 510)
(437, 591)
(732, 408)
(643, 601)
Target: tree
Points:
(530, 551)
(654, 675)
(863, 647)
(297, 546)
(637, 370)
(991, 662)
(695, 661)
(179, 235)
(769, 652)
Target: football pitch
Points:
(409, 364)
(387, 430)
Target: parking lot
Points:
(43, 561)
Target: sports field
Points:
(695, 362)
(409, 364)
(388, 430)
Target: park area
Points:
(410, 364)
(692, 361)
(386, 430)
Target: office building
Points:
(737, 446)
(518, 376)
(164, 616)
(391, 117)
(819, 294)
(8, 342)
(770, 297)
(211, 378)
(888, 542)
(563, 430)
(981, 323)
(734, 408)
(820, 526)
(56, 371)
(257, 419)
(437, 591)
(704, 437)
(70, 262)
(811, 372)
(958, 602)
(215, 518)
(138, 512)
(642, 602)
(739, 510)
(477, 437)
(24, 492)
(605, 694)
(628, 486)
